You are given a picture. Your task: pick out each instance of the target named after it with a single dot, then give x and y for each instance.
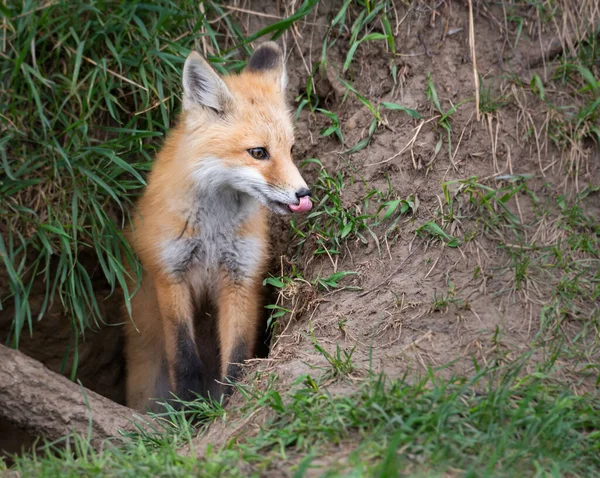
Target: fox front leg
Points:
(177, 314)
(239, 305)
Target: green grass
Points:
(443, 301)
(445, 115)
(78, 136)
(490, 101)
(368, 19)
(358, 22)
(334, 221)
(498, 422)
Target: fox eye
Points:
(259, 153)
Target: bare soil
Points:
(392, 325)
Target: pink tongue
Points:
(305, 205)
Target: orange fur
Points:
(193, 252)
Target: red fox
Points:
(201, 231)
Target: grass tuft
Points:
(89, 92)
(498, 422)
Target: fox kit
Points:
(202, 233)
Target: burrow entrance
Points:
(101, 364)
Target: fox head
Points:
(239, 132)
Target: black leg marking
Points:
(188, 367)
(234, 369)
(263, 331)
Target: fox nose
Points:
(302, 192)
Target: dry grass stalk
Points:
(473, 56)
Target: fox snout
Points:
(299, 200)
(304, 202)
(297, 193)
(284, 201)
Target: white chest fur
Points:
(216, 244)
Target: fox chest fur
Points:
(215, 239)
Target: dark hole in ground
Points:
(101, 365)
(13, 441)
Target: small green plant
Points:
(518, 12)
(376, 111)
(444, 120)
(537, 86)
(489, 102)
(281, 283)
(285, 283)
(335, 127)
(397, 206)
(441, 303)
(435, 231)
(371, 14)
(332, 221)
(340, 361)
(490, 203)
(331, 282)
(520, 263)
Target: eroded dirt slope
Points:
(423, 303)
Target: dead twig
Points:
(474, 56)
(409, 145)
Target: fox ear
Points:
(202, 86)
(268, 59)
